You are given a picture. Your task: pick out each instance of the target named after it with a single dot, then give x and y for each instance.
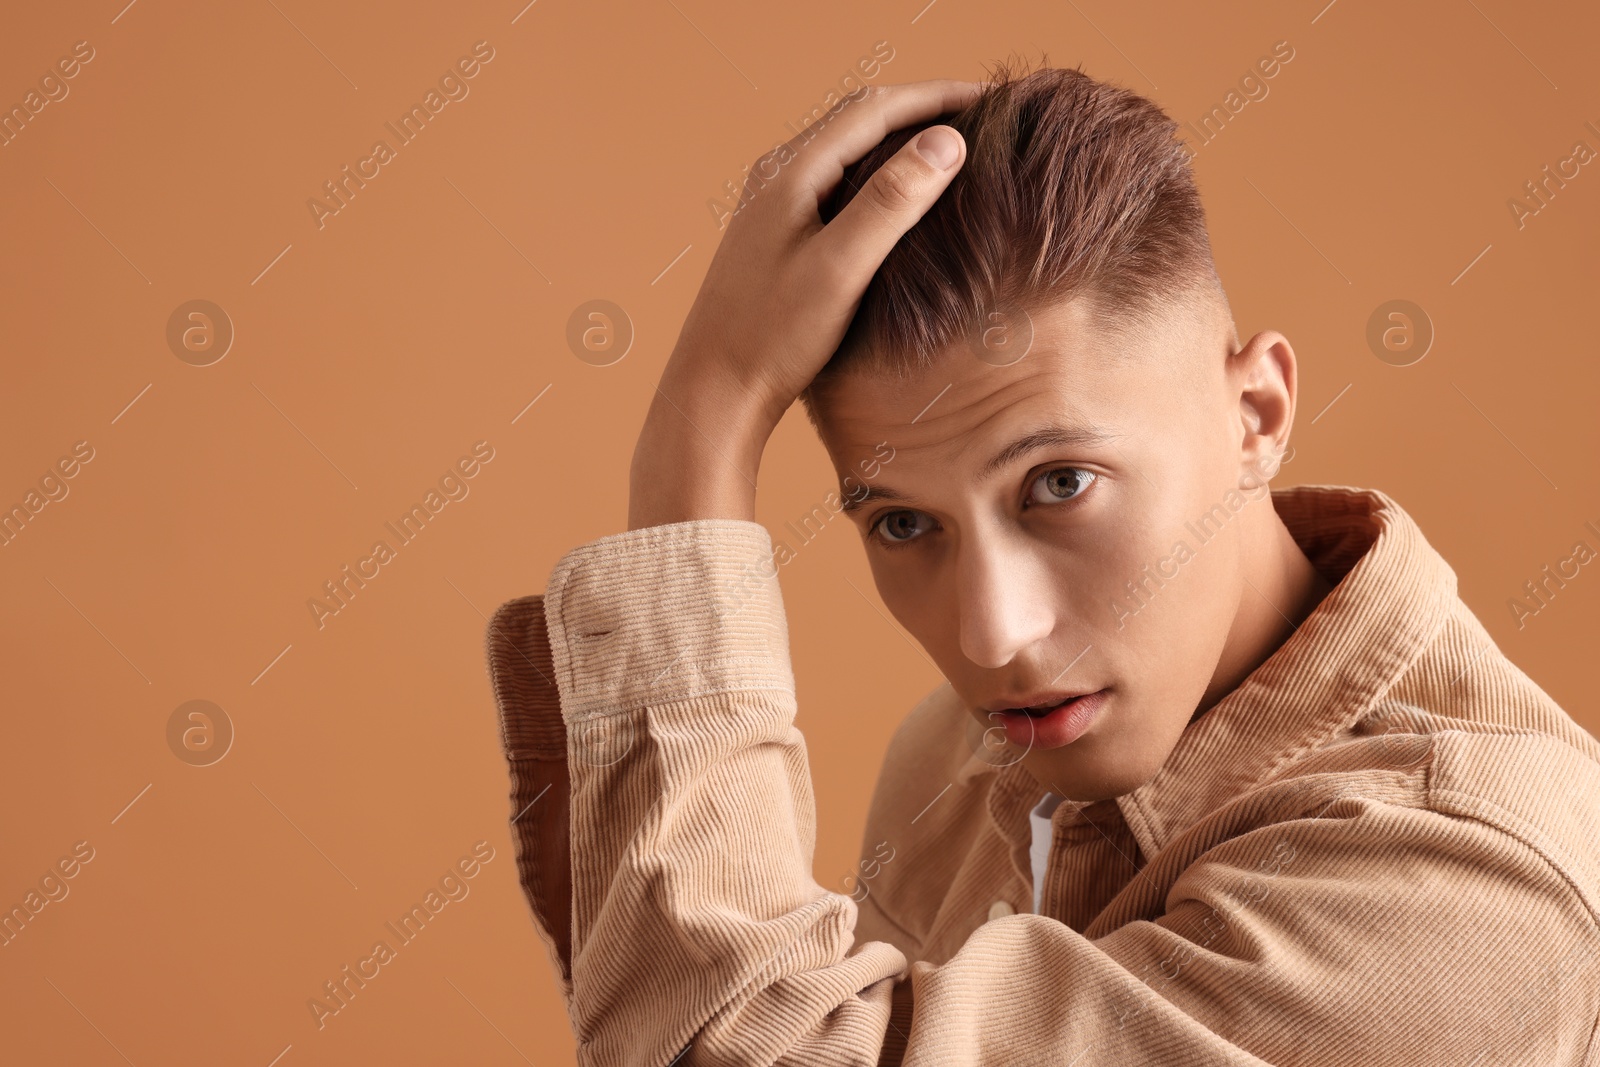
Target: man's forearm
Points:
(697, 455)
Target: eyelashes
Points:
(1054, 486)
(882, 524)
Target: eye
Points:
(1060, 484)
(898, 527)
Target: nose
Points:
(1005, 603)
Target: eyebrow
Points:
(1050, 436)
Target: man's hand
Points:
(779, 294)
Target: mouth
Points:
(1054, 720)
(1039, 700)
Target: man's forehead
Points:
(958, 393)
(1078, 351)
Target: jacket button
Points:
(1000, 909)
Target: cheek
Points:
(1110, 577)
(914, 598)
(1172, 643)
(1154, 599)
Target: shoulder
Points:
(932, 771)
(933, 733)
(1466, 735)
(1503, 750)
(929, 813)
(1533, 787)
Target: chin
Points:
(1089, 776)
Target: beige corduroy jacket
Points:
(1382, 848)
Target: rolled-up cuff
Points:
(523, 677)
(666, 613)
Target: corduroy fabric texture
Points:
(1382, 848)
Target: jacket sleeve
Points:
(535, 743)
(698, 934)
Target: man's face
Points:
(1019, 504)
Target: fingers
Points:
(861, 123)
(806, 167)
(899, 193)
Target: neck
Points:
(1280, 588)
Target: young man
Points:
(1312, 814)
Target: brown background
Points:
(431, 310)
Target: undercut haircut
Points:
(1072, 188)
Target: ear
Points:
(1264, 373)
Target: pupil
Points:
(1062, 482)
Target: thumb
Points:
(898, 194)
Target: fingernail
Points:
(939, 146)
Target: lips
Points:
(1041, 700)
(1043, 724)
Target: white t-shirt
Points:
(1039, 851)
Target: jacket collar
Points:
(1393, 593)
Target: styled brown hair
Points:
(1072, 187)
